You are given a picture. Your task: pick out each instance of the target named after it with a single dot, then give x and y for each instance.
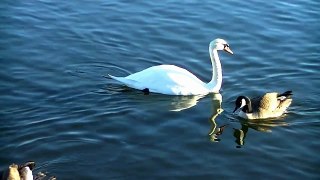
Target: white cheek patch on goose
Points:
(243, 103)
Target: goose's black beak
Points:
(235, 109)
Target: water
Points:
(58, 109)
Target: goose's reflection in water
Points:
(258, 125)
(215, 130)
(240, 135)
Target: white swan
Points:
(173, 80)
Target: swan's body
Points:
(166, 79)
(173, 80)
(270, 105)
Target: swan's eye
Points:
(226, 45)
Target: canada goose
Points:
(11, 174)
(173, 80)
(270, 105)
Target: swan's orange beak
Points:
(227, 49)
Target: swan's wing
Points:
(166, 79)
(162, 73)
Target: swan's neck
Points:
(215, 84)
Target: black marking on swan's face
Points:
(146, 91)
(220, 44)
(227, 49)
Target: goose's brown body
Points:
(270, 105)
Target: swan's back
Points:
(165, 79)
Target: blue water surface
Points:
(59, 109)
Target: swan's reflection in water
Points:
(180, 103)
(173, 103)
(160, 101)
(215, 130)
(258, 125)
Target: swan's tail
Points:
(128, 82)
(120, 79)
(115, 78)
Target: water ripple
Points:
(59, 109)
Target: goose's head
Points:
(220, 44)
(241, 102)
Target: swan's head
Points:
(240, 103)
(220, 44)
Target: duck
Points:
(23, 172)
(174, 80)
(19, 172)
(269, 105)
(12, 173)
